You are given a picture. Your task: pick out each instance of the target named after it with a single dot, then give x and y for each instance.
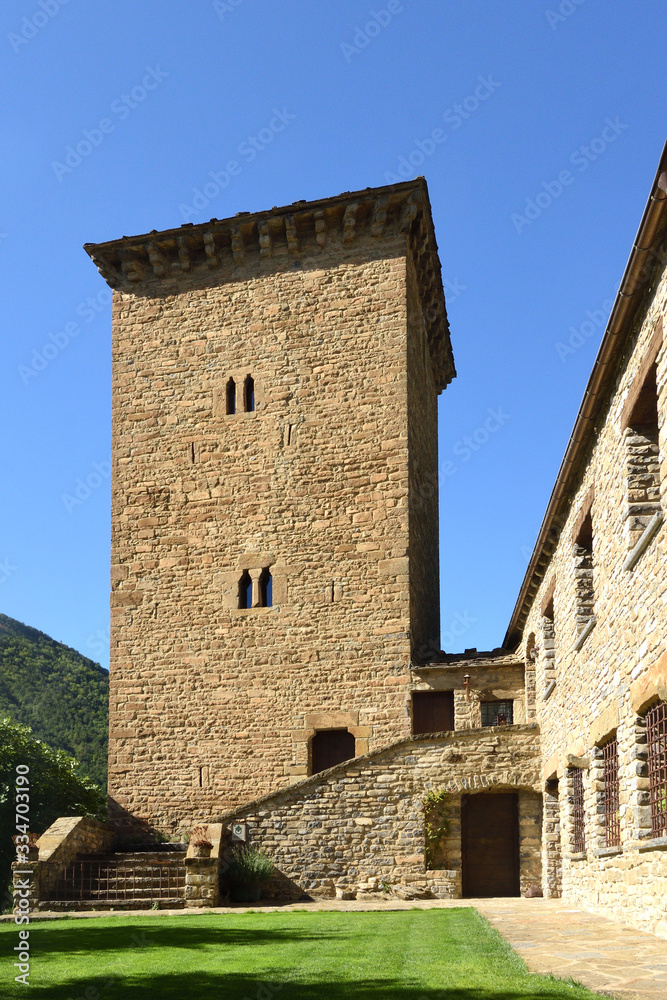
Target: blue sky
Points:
(538, 126)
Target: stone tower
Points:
(275, 494)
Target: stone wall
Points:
(360, 825)
(491, 678)
(587, 683)
(66, 839)
(208, 700)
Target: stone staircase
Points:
(142, 877)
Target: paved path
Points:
(549, 934)
(552, 936)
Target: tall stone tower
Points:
(275, 502)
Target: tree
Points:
(54, 786)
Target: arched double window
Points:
(245, 591)
(231, 396)
(266, 589)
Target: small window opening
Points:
(583, 566)
(249, 394)
(656, 745)
(578, 815)
(497, 713)
(192, 453)
(611, 793)
(432, 712)
(245, 591)
(330, 747)
(548, 650)
(266, 589)
(231, 396)
(643, 458)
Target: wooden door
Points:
(432, 712)
(330, 747)
(490, 844)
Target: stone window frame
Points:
(254, 563)
(220, 398)
(548, 640)
(583, 536)
(314, 722)
(598, 785)
(648, 689)
(643, 516)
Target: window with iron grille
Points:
(656, 740)
(612, 819)
(497, 713)
(578, 820)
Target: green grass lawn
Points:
(416, 954)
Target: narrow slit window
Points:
(266, 589)
(643, 458)
(245, 591)
(249, 394)
(231, 396)
(583, 575)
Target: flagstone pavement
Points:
(551, 935)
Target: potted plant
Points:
(201, 842)
(248, 870)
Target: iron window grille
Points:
(656, 739)
(612, 817)
(578, 817)
(497, 713)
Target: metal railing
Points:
(112, 880)
(612, 818)
(578, 815)
(656, 739)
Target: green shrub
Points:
(249, 866)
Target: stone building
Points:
(590, 622)
(276, 666)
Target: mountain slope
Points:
(62, 695)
